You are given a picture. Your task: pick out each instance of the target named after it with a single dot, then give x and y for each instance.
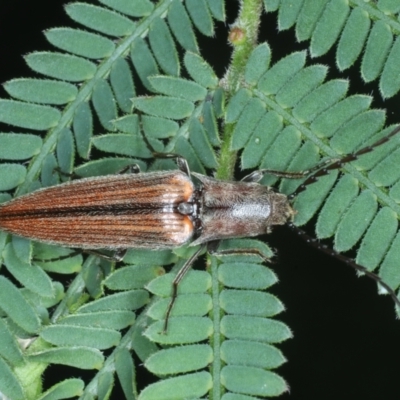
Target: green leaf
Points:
(217, 8)
(132, 277)
(198, 304)
(163, 47)
(128, 300)
(256, 354)
(328, 122)
(181, 330)
(78, 357)
(329, 27)
(122, 84)
(308, 202)
(127, 124)
(61, 66)
(248, 120)
(390, 82)
(181, 26)
(126, 373)
(31, 276)
(376, 241)
(259, 142)
(192, 385)
(351, 134)
(353, 38)
(41, 90)
(254, 328)
(9, 348)
(178, 87)
(280, 73)
(253, 381)
(19, 146)
(81, 43)
(150, 257)
(56, 259)
(210, 115)
(83, 127)
(338, 201)
(115, 319)
(308, 18)
(249, 302)
(379, 42)
(30, 116)
(288, 13)
(237, 105)
(139, 8)
(165, 107)
(65, 335)
(300, 85)
(251, 251)
(65, 151)
(201, 144)
(355, 221)
(159, 128)
(12, 175)
(100, 19)
(9, 384)
(249, 276)
(185, 359)
(281, 152)
(194, 282)
(106, 166)
(389, 270)
(147, 65)
(200, 70)
(19, 310)
(124, 144)
(64, 390)
(201, 17)
(258, 63)
(104, 104)
(319, 100)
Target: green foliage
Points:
(284, 115)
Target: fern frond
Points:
(365, 30)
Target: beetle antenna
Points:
(325, 167)
(349, 261)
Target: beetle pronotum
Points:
(161, 210)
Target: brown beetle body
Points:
(156, 210)
(119, 211)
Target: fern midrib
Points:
(363, 180)
(85, 91)
(217, 337)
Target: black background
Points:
(346, 337)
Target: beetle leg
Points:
(256, 176)
(180, 161)
(179, 276)
(116, 257)
(131, 169)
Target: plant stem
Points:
(243, 38)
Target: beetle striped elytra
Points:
(162, 210)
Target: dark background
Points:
(346, 337)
